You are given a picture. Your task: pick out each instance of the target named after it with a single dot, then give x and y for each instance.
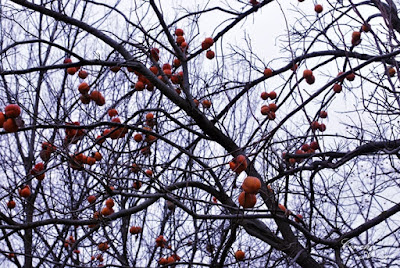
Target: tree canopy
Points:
(199, 133)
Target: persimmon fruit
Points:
(251, 185)
(2, 119)
(25, 192)
(307, 73)
(11, 204)
(115, 69)
(318, 8)
(337, 88)
(91, 199)
(10, 125)
(272, 95)
(210, 54)
(179, 32)
(239, 255)
(84, 88)
(247, 200)
(83, 74)
(110, 203)
(267, 72)
(12, 111)
(206, 103)
(391, 71)
(264, 95)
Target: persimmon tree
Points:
(199, 133)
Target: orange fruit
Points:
(251, 185)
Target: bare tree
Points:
(161, 133)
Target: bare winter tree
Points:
(183, 133)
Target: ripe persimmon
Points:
(139, 86)
(337, 88)
(176, 63)
(90, 161)
(91, 199)
(391, 71)
(322, 127)
(239, 164)
(175, 79)
(315, 125)
(170, 260)
(163, 261)
(85, 98)
(351, 76)
(366, 27)
(135, 168)
(25, 192)
(150, 138)
(10, 125)
(310, 80)
(272, 95)
(83, 74)
(149, 173)
(12, 111)
(179, 32)
(267, 72)
(247, 200)
(149, 116)
(115, 69)
(135, 229)
(145, 150)
(84, 88)
(265, 110)
(314, 145)
(272, 107)
(38, 167)
(71, 70)
(137, 185)
(239, 255)
(160, 241)
(264, 95)
(110, 203)
(155, 52)
(154, 69)
(97, 156)
(318, 8)
(11, 204)
(206, 103)
(209, 41)
(106, 211)
(2, 119)
(355, 38)
(210, 54)
(97, 97)
(103, 246)
(179, 40)
(251, 185)
(166, 66)
(184, 45)
(307, 73)
(305, 147)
